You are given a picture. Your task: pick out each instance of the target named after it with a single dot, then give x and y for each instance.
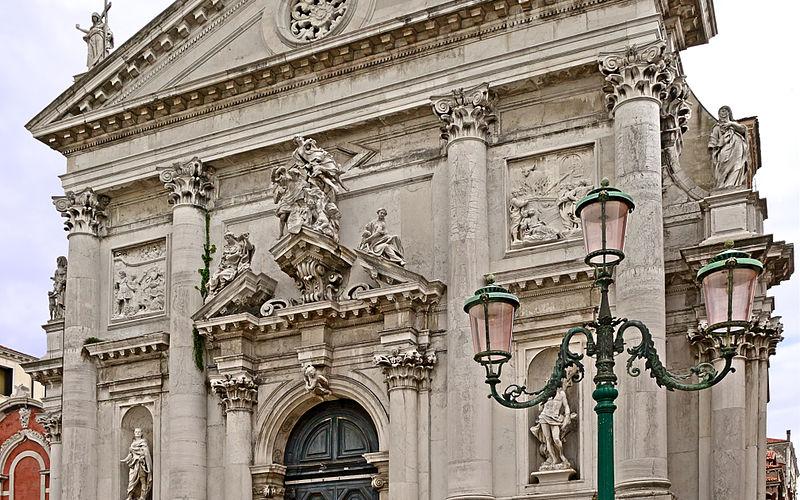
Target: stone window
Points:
(6, 381)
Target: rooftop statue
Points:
(730, 151)
(375, 240)
(236, 256)
(56, 295)
(306, 190)
(98, 37)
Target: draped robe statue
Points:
(375, 240)
(56, 296)
(236, 256)
(730, 151)
(140, 468)
(98, 37)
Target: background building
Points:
(316, 354)
(12, 374)
(781, 468)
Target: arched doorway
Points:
(324, 454)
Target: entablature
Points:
(123, 351)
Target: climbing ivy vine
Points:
(198, 342)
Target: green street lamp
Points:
(729, 282)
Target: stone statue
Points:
(568, 199)
(151, 290)
(730, 151)
(56, 296)
(125, 293)
(552, 425)
(98, 37)
(315, 381)
(236, 256)
(532, 227)
(305, 191)
(375, 240)
(139, 462)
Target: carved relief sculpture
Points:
(99, 39)
(375, 240)
(730, 151)
(236, 256)
(139, 280)
(140, 468)
(552, 425)
(305, 191)
(314, 19)
(56, 295)
(316, 382)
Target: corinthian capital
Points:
(189, 183)
(636, 72)
(675, 110)
(52, 426)
(84, 211)
(465, 114)
(409, 370)
(236, 393)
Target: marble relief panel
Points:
(139, 281)
(542, 190)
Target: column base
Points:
(644, 489)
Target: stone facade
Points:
(231, 294)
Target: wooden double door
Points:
(324, 455)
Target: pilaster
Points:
(238, 398)
(52, 426)
(85, 215)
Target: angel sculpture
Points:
(315, 381)
(553, 424)
(99, 39)
(236, 256)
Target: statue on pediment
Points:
(98, 37)
(56, 295)
(236, 256)
(305, 191)
(730, 151)
(375, 240)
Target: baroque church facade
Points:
(276, 209)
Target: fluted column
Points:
(405, 373)
(466, 117)
(636, 83)
(190, 188)
(52, 426)
(85, 214)
(238, 395)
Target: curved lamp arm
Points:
(706, 374)
(566, 358)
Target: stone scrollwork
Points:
(314, 19)
(410, 369)
(188, 183)
(85, 211)
(269, 491)
(636, 72)
(139, 280)
(465, 113)
(315, 381)
(305, 191)
(237, 254)
(271, 306)
(238, 393)
(56, 295)
(375, 240)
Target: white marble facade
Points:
(256, 140)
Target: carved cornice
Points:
(188, 183)
(45, 371)
(128, 350)
(52, 426)
(408, 370)
(239, 393)
(465, 114)
(638, 72)
(84, 211)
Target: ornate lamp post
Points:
(729, 287)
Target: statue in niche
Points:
(140, 465)
(730, 151)
(375, 240)
(236, 256)
(568, 199)
(315, 381)
(125, 293)
(56, 296)
(552, 425)
(98, 37)
(305, 191)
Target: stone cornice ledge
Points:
(532, 279)
(126, 350)
(45, 370)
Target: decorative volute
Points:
(84, 211)
(188, 183)
(465, 114)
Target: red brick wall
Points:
(26, 471)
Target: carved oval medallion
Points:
(314, 19)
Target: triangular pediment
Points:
(246, 293)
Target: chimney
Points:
(788, 434)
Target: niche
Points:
(137, 417)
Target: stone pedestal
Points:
(189, 189)
(732, 215)
(238, 395)
(636, 79)
(85, 214)
(548, 477)
(466, 116)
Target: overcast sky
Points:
(747, 66)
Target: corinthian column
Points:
(190, 189)
(85, 213)
(405, 374)
(238, 395)
(52, 426)
(636, 82)
(466, 116)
